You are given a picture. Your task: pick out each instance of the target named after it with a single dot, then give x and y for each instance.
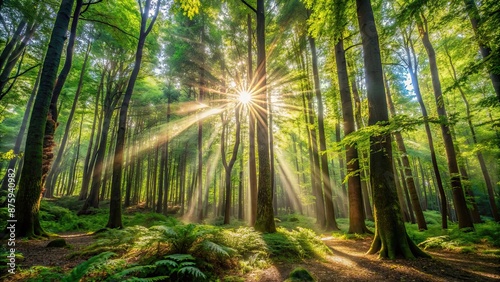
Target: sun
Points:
(245, 97)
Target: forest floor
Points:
(347, 263)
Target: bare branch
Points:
(249, 6)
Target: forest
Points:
(249, 140)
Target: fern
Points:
(80, 270)
(139, 269)
(215, 248)
(192, 271)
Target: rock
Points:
(57, 243)
(300, 274)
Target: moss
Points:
(300, 274)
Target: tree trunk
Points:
(407, 175)
(391, 239)
(355, 200)
(228, 167)
(57, 162)
(265, 214)
(30, 185)
(475, 20)
(252, 167)
(463, 214)
(115, 205)
(480, 158)
(413, 71)
(330, 222)
(52, 117)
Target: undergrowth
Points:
(486, 235)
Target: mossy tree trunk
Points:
(30, 185)
(390, 239)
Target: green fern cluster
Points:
(176, 267)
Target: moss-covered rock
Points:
(300, 274)
(57, 243)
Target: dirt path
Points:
(35, 252)
(349, 263)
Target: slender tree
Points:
(463, 214)
(115, 207)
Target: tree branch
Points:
(249, 6)
(88, 5)
(110, 25)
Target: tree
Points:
(463, 214)
(228, 167)
(115, 207)
(390, 239)
(356, 214)
(484, 48)
(30, 185)
(265, 214)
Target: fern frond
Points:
(80, 270)
(168, 263)
(143, 269)
(213, 247)
(180, 257)
(192, 271)
(187, 263)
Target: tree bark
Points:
(475, 20)
(391, 239)
(265, 214)
(407, 174)
(330, 222)
(412, 63)
(53, 173)
(115, 206)
(228, 167)
(30, 185)
(355, 195)
(463, 214)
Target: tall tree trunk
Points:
(115, 205)
(407, 175)
(463, 214)
(479, 155)
(475, 20)
(252, 167)
(30, 185)
(365, 183)
(88, 164)
(330, 222)
(355, 200)
(412, 62)
(265, 214)
(57, 162)
(228, 167)
(52, 117)
(391, 238)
